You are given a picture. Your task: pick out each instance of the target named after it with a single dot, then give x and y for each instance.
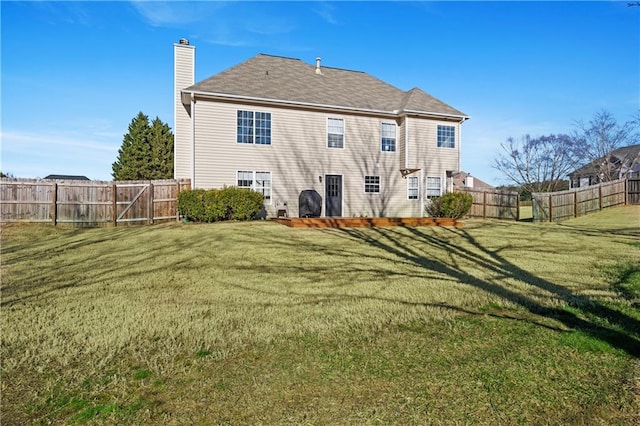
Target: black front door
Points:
(333, 195)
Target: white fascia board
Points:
(223, 96)
(462, 118)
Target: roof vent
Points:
(318, 70)
(184, 41)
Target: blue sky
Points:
(74, 74)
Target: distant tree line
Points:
(542, 164)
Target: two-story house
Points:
(281, 126)
(618, 164)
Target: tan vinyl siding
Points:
(184, 56)
(298, 156)
(424, 152)
(402, 148)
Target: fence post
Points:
(518, 207)
(600, 185)
(54, 204)
(150, 209)
(550, 208)
(178, 189)
(626, 181)
(484, 204)
(575, 204)
(114, 203)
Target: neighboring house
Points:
(463, 180)
(620, 163)
(66, 177)
(281, 126)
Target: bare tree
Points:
(597, 139)
(537, 164)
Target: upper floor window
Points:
(446, 137)
(434, 187)
(335, 133)
(254, 127)
(388, 131)
(372, 184)
(258, 181)
(413, 188)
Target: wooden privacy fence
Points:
(493, 203)
(556, 206)
(633, 189)
(90, 203)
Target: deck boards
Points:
(365, 222)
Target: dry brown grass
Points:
(258, 323)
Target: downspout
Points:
(421, 192)
(193, 141)
(406, 141)
(459, 146)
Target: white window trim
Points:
(344, 132)
(254, 187)
(364, 187)
(395, 137)
(426, 187)
(254, 135)
(455, 142)
(417, 187)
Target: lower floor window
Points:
(371, 184)
(575, 182)
(258, 181)
(434, 187)
(412, 188)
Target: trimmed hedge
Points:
(215, 205)
(454, 205)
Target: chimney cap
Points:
(184, 41)
(318, 70)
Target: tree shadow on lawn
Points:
(621, 331)
(103, 265)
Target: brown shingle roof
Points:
(278, 78)
(627, 158)
(460, 181)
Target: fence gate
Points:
(90, 203)
(134, 202)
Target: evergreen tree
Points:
(146, 151)
(161, 141)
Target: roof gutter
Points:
(462, 118)
(393, 113)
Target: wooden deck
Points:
(365, 222)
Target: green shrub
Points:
(191, 205)
(214, 205)
(214, 208)
(242, 204)
(452, 204)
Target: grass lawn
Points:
(255, 323)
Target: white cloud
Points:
(235, 24)
(327, 12)
(40, 154)
(176, 13)
(55, 13)
(16, 141)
